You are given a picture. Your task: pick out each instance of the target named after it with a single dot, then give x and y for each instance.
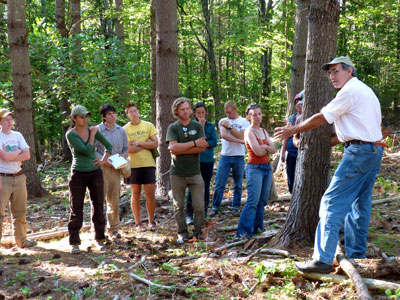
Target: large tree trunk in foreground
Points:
(299, 53)
(313, 162)
(167, 81)
(22, 87)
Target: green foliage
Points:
(265, 268)
(393, 295)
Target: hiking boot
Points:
(27, 244)
(314, 266)
(213, 213)
(75, 249)
(236, 212)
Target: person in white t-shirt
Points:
(232, 157)
(13, 178)
(356, 114)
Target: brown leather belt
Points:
(12, 175)
(356, 142)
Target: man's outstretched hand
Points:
(284, 132)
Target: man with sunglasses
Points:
(356, 114)
(186, 141)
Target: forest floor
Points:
(194, 270)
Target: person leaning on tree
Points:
(116, 135)
(14, 150)
(186, 140)
(356, 114)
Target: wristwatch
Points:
(230, 127)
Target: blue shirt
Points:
(211, 138)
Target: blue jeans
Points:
(206, 170)
(290, 170)
(259, 177)
(348, 199)
(226, 163)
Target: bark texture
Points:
(299, 53)
(313, 162)
(22, 87)
(167, 82)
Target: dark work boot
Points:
(314, 266)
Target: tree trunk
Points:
(266, 59)
(22, 87)
(120, 33)
(167, 81)
(212, 66)
(299, 53)
(153, 61)
(313, 162)
(65, 106)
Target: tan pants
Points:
(14, 189)
(112, 187)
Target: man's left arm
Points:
(24, 155)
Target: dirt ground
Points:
(195, 270)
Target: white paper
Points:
(117, 161)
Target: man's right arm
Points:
(311, 123)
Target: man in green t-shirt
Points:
(186, 140)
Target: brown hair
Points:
(129, 105)
(176, 105)
(249, 108)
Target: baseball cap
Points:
(4, 112)
(79, 110)
(300, 102)
(299, 95)
(338, 60)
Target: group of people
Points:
(355, 112)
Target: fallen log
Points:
(150, 283)
(228, 201)
(371, 283)
(57, 187)
(381, 201)
(355, 277)
(234, 227)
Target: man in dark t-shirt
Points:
(186, 140)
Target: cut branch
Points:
(150, 283)
(355, 277)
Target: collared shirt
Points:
(356, 112)
(117, 138)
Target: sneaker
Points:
(181, 238)
(100, 245)
(115, 236)
(75, 249)
(152, 226)
(189, 220)
(314, 266)
(141, 228)
(27, 244)
(213, 213)
(236, 212)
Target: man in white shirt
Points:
(356, 114)
(232, 157)
(13, 178)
